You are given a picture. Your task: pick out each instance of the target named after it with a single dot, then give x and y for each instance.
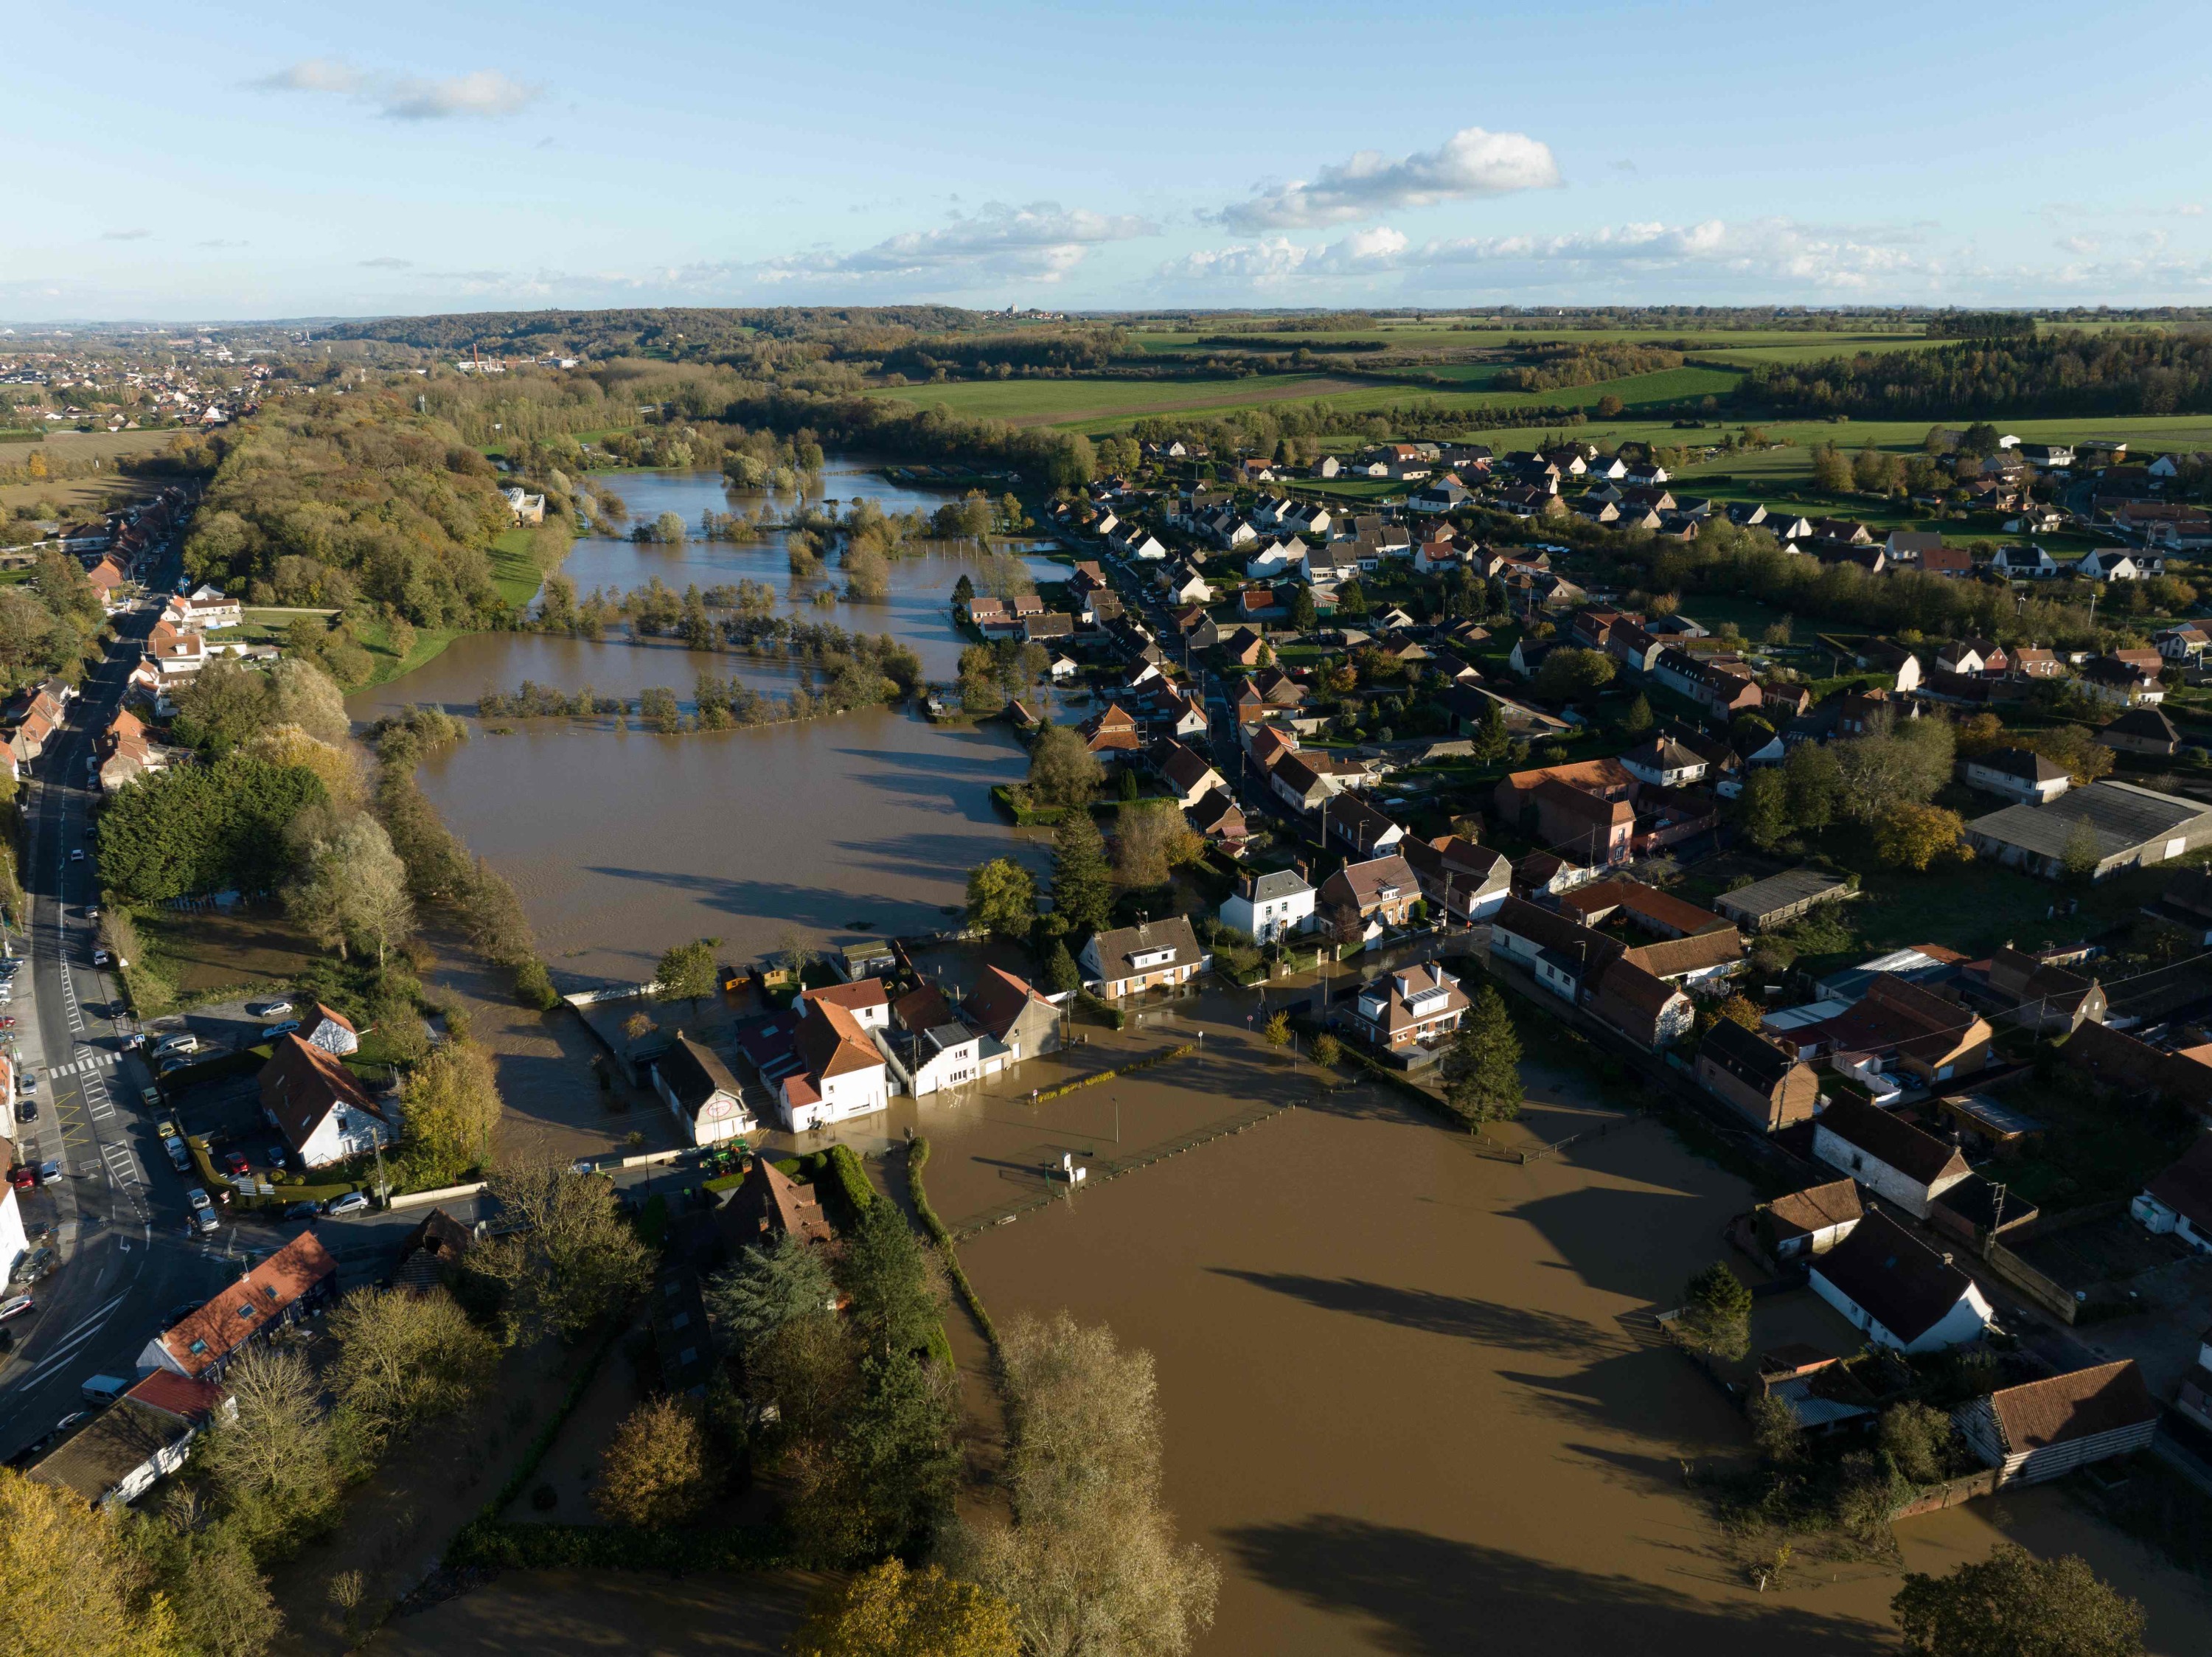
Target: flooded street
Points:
(622, 842)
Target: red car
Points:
(23, 1177)
(235, 1162)
(6, 1023)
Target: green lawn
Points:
(1076, 402)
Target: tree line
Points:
(2064, 372)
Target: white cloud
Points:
(315, 74)
(2191, 209)
(1775, 254)
(125, 236)
(2076, 244)
(406, 97)
(1272, 263)
(1041, 242)
(1470, 163)
(480, 92)
(387, 262)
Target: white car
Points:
(353, 1202)
(202, 1208)
(76, 854)
(184, 1041)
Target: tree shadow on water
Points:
(1429, 1596)
(1517, 1329)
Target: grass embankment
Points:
(520, 560)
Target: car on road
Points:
(15, 1306)
(235, 1162)
(268, 1009)
(102, 957)
(28, 1082)
(28, 1109)
(92, 911)
(177, 1041)
(76, 854)
(353, 1202)
(304, 1210)
(179, 1157)
(9, 1022)
(103, 1389)
(49, 1171)
(202, 1208)
(174, 1062)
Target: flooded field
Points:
(622, 842)
(1407, 1397)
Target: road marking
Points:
(75, 1338)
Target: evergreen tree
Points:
(1491, 739)
(963, 589)
(1060, 969)
(1082, 885)
(1481, 1069)
(1764, 810)
(1717, 1311)
(1638, 720)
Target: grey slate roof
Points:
(2120, 814)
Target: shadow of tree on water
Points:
(1517, 1329)
(1429, 1594)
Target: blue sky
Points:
(256, 160)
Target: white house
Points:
(330, 1030)
(1809, 1221)
(865, 999)
(1267, 906)
(1890, 1157)
(840, 1074)
(1264, 562)
(1898, 1291)
(2031, 561)
(14, 1242)
(1663, 763)
(2017, 774)
(701, 1094)
(323, 1110)
(2179, 1200)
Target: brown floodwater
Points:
(622, 842)
(1408, 1409)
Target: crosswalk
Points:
(80, 1067)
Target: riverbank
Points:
(520, 560)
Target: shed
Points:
(2049, 1427)
(1781, 898)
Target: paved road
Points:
(118, 1211)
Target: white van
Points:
(104, 1389)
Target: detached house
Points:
(1810, 1221)
(322, 1109)
(1900, 1292)
(2017, 774)
(701, 1094)
(1361, 901)
(1157, 955)
(1416, 1006)
(838, 1073)
(1266, 906)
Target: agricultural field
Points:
(1103, 407)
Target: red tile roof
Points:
(241, 1312)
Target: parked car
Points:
(15, 1307)
(202, 1208)
(102, 957)
(275, 1008)
(28, 1082)
(22, 1176)
(49, 1171)
(177, 1041)
(7, 1023)
(282, 1027)
(306, 1210)
(180, 1158)
(353, 1202)
(103, 1389)
(28, 1109)
(235, 1162)
(273, 1155)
